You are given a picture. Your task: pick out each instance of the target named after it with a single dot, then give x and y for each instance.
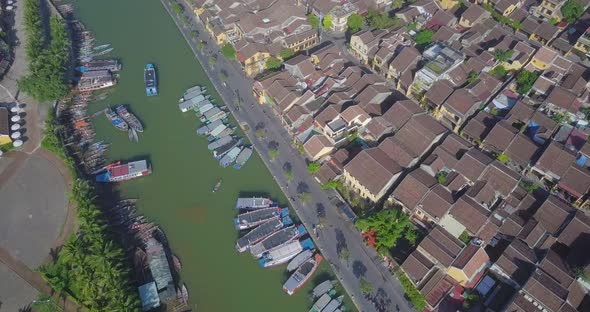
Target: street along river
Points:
(197, 222)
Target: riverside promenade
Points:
(336, 230)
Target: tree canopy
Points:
(228, 51)
(313, 167)
(424, 37)
(503, 55)
(273, 63)
(572, 10)
(286, 54)
(525, 81)
(355, 22)
(48, 59)
(389, 225)
(327, 22)
(90, 266)
(379, 20)
(397, 4)
(313, 20)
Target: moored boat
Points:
(302, 274)
(131, 119)
(193, 89)
(277, 239)
(150, 80)
(101, 47)
(253, 203)
(321, 303)
(251, 219)
(334, 304)
(322, 288)
(115, 120)
(222, 150)
(118, 172)
(262, 231)
(133, 137)
(217, 186)
(230, 157)
(206, 129)
(245, 154)
(285, 252)
(226, 132)
(299, 260)
(219, 143)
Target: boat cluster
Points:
(271, 237)
(326, 298)
(94, 74)
(124, 120)
(151, 256)
(226, 148)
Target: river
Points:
(178, 194)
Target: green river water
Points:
(178, 194)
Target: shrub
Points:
(313, 20)
(355, 22)
(228, 51)
(313, 167)
(525, 81)
(413, 294)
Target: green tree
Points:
(223, 76)
(177, 8)
(313, 167)
(344, 255)
(228, 51)
(194, 33)
(327, 22)
(397, 4)
(286, 54)
(473, 76)
(273, 153)
(389, 225)
(413, 294)
(313, 20)
(260, 133)
(273, 63)
(289, 175)
(503, 55)
(503, 158)
(499, 72)
(379, 20)
(212, 60)
(424, 38)
(464, 237)
(201, 46)
(48, 57)
(525, 81)
(572, 10)
(331, 185)
(355, 22)
(365, 286)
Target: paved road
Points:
(336, 232)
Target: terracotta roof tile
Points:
(413, 187)
(417, 266)
(441, 246)
(469, 213)
(553, 214)
(472, 164)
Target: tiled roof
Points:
(555, 160)
(469, 213)
(522, 150)
(413, 187)
(546, 290)
(553, 214)
(439, 91)
(472, 164)
(373, 169)
(441, 245)
(576, 180)
(502, 179)
(401, 112)
(517, 261)
(500, 136)
(472, 259)
(480, 125)
(437, 201)
(417, 266)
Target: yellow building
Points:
(465, 269)
(4, 126)
(583, 43)
(252, 56)
(551, 9)
(447, 4)
(543, 58)
(506, 7)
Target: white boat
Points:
(230, 157)
(284, 253)
(321, 303)
(334, 304)
(302, 274)
(277, 239)
(253, 203)
(299, 259)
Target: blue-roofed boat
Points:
(117, 121)
(150, 80)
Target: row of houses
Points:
(463, 150)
